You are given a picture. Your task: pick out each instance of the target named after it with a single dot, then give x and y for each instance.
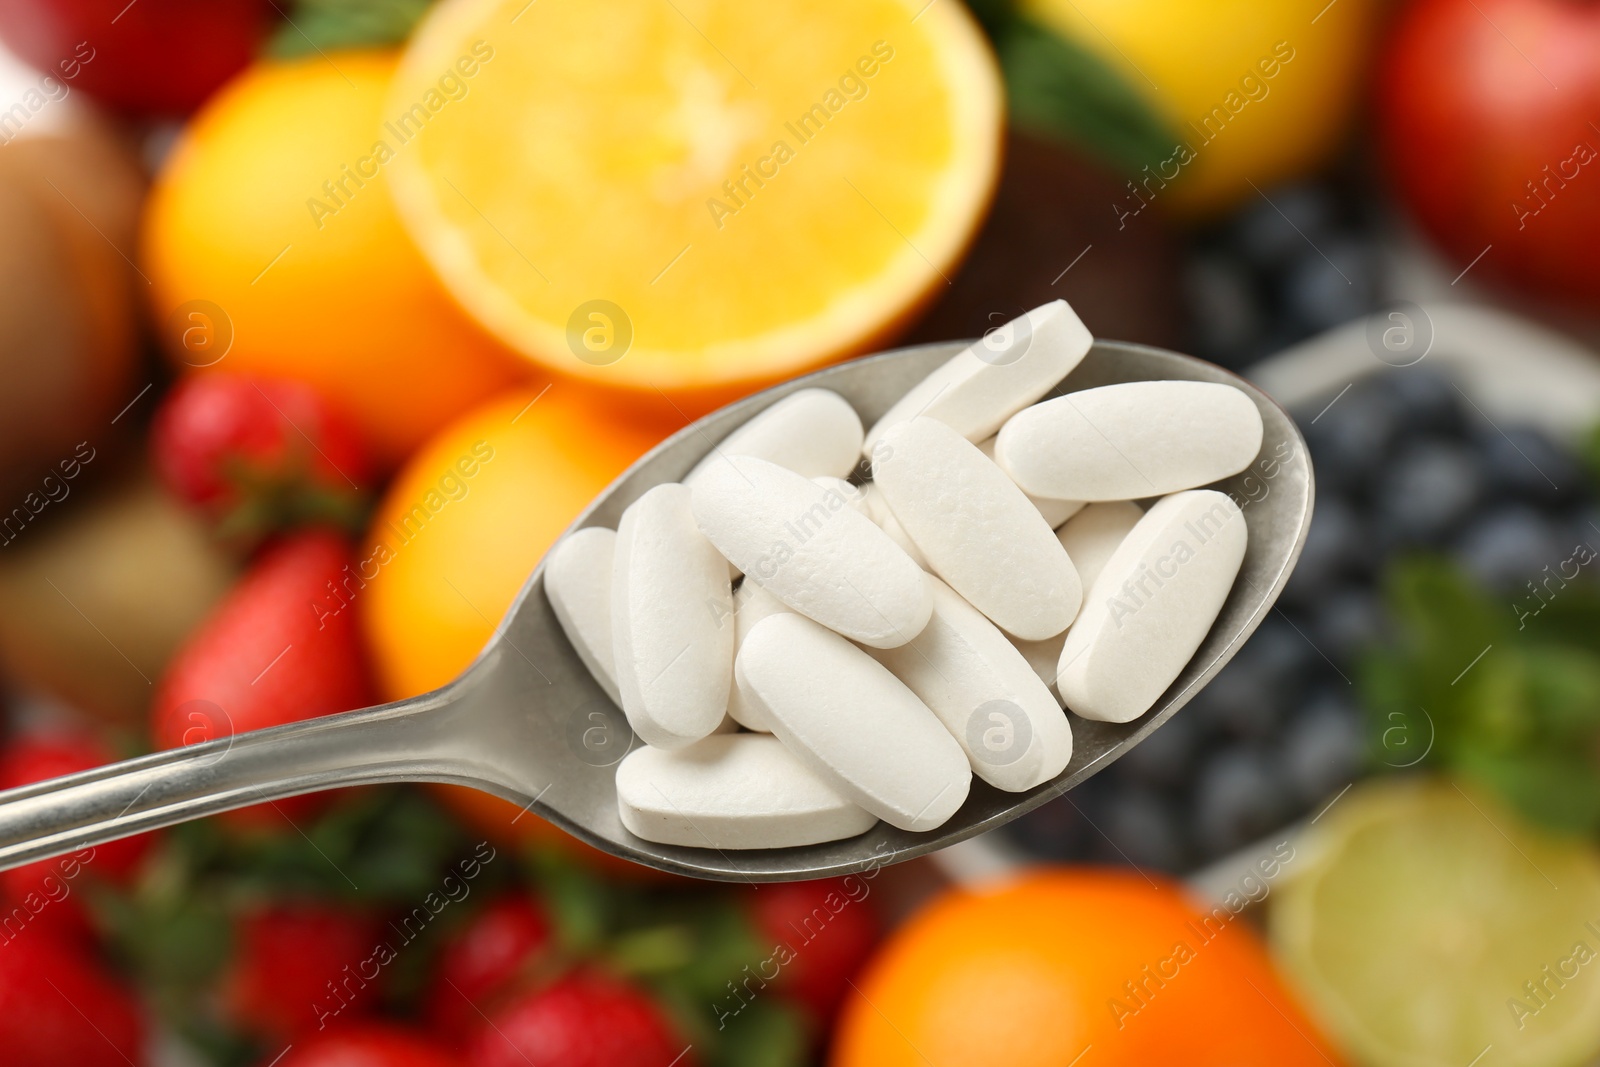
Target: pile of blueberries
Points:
(1405, 462)
(1294, 261)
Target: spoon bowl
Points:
(527, 723)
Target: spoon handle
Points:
(390, 743)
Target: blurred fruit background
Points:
(322, 319)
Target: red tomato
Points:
(1487, 117)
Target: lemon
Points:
(1429, 927)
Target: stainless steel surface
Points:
(527, 723)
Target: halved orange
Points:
(693, 195)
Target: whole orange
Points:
(462, 527)
(272, 247)
(468, 518)
(1073, 966)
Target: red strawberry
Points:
(363, 1045)
(262, 453)
(585, 1019)
(484, 961)
(59, 1008)
(297, 968)
(36, 758)
(828, 928)
(44, 894)
(281, 647)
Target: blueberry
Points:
(1240, 794)
(1351, 438)
(1226, 311)
(1524, 463)
(1278, 649)
(1329, 285)
(1337, 547)
(1427, 493)
(1583, 527)
(1141, 828)
(1429, 401)
(1350, 620)
(1241, 700)
(1166, 757)
(1323, 747)
(1276, 229)
(1508, 546)
(1052, 831)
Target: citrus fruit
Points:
(695, 196)
(1257, 92)
(467, 519)
(273, 248)
(462, 526)
(1429, 925)
(1073, 966)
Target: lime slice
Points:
(1427, 926)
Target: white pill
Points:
(878, 511)
(670, 600)
(1055, 512)
(1093, 534)
(1044, 657)
(751, 604)
(976, 529)
(1152, 605)
(1090, 537)
(731, 791)
(995, 377)
(577, 579)
(855, 725)
(1005, 719)
(811, 432)
(852, 494)
(809, 548)
(1133, 440)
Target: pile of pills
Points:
(803, 655)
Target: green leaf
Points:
(314, 26)
(1511, 703)
(1557, 790)
(768, 1033)
(1056, 87)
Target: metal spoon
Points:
(527, 723)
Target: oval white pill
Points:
(811, 432)
(976, 529)
(1090, 537)
(731, 791)
(809, 548)
(1152, 605)
(1014, 733)
(995, 377)
(1055, 512)
(751, 604)
(855, 725)
(878, 511)
(670, 604)
(1133, 440)
(852, 494)
(1093, 534)
(577, 580)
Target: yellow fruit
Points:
(267, 227)
(1258, 91)
(699, 195)
(1430, 924)
(468, 518)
